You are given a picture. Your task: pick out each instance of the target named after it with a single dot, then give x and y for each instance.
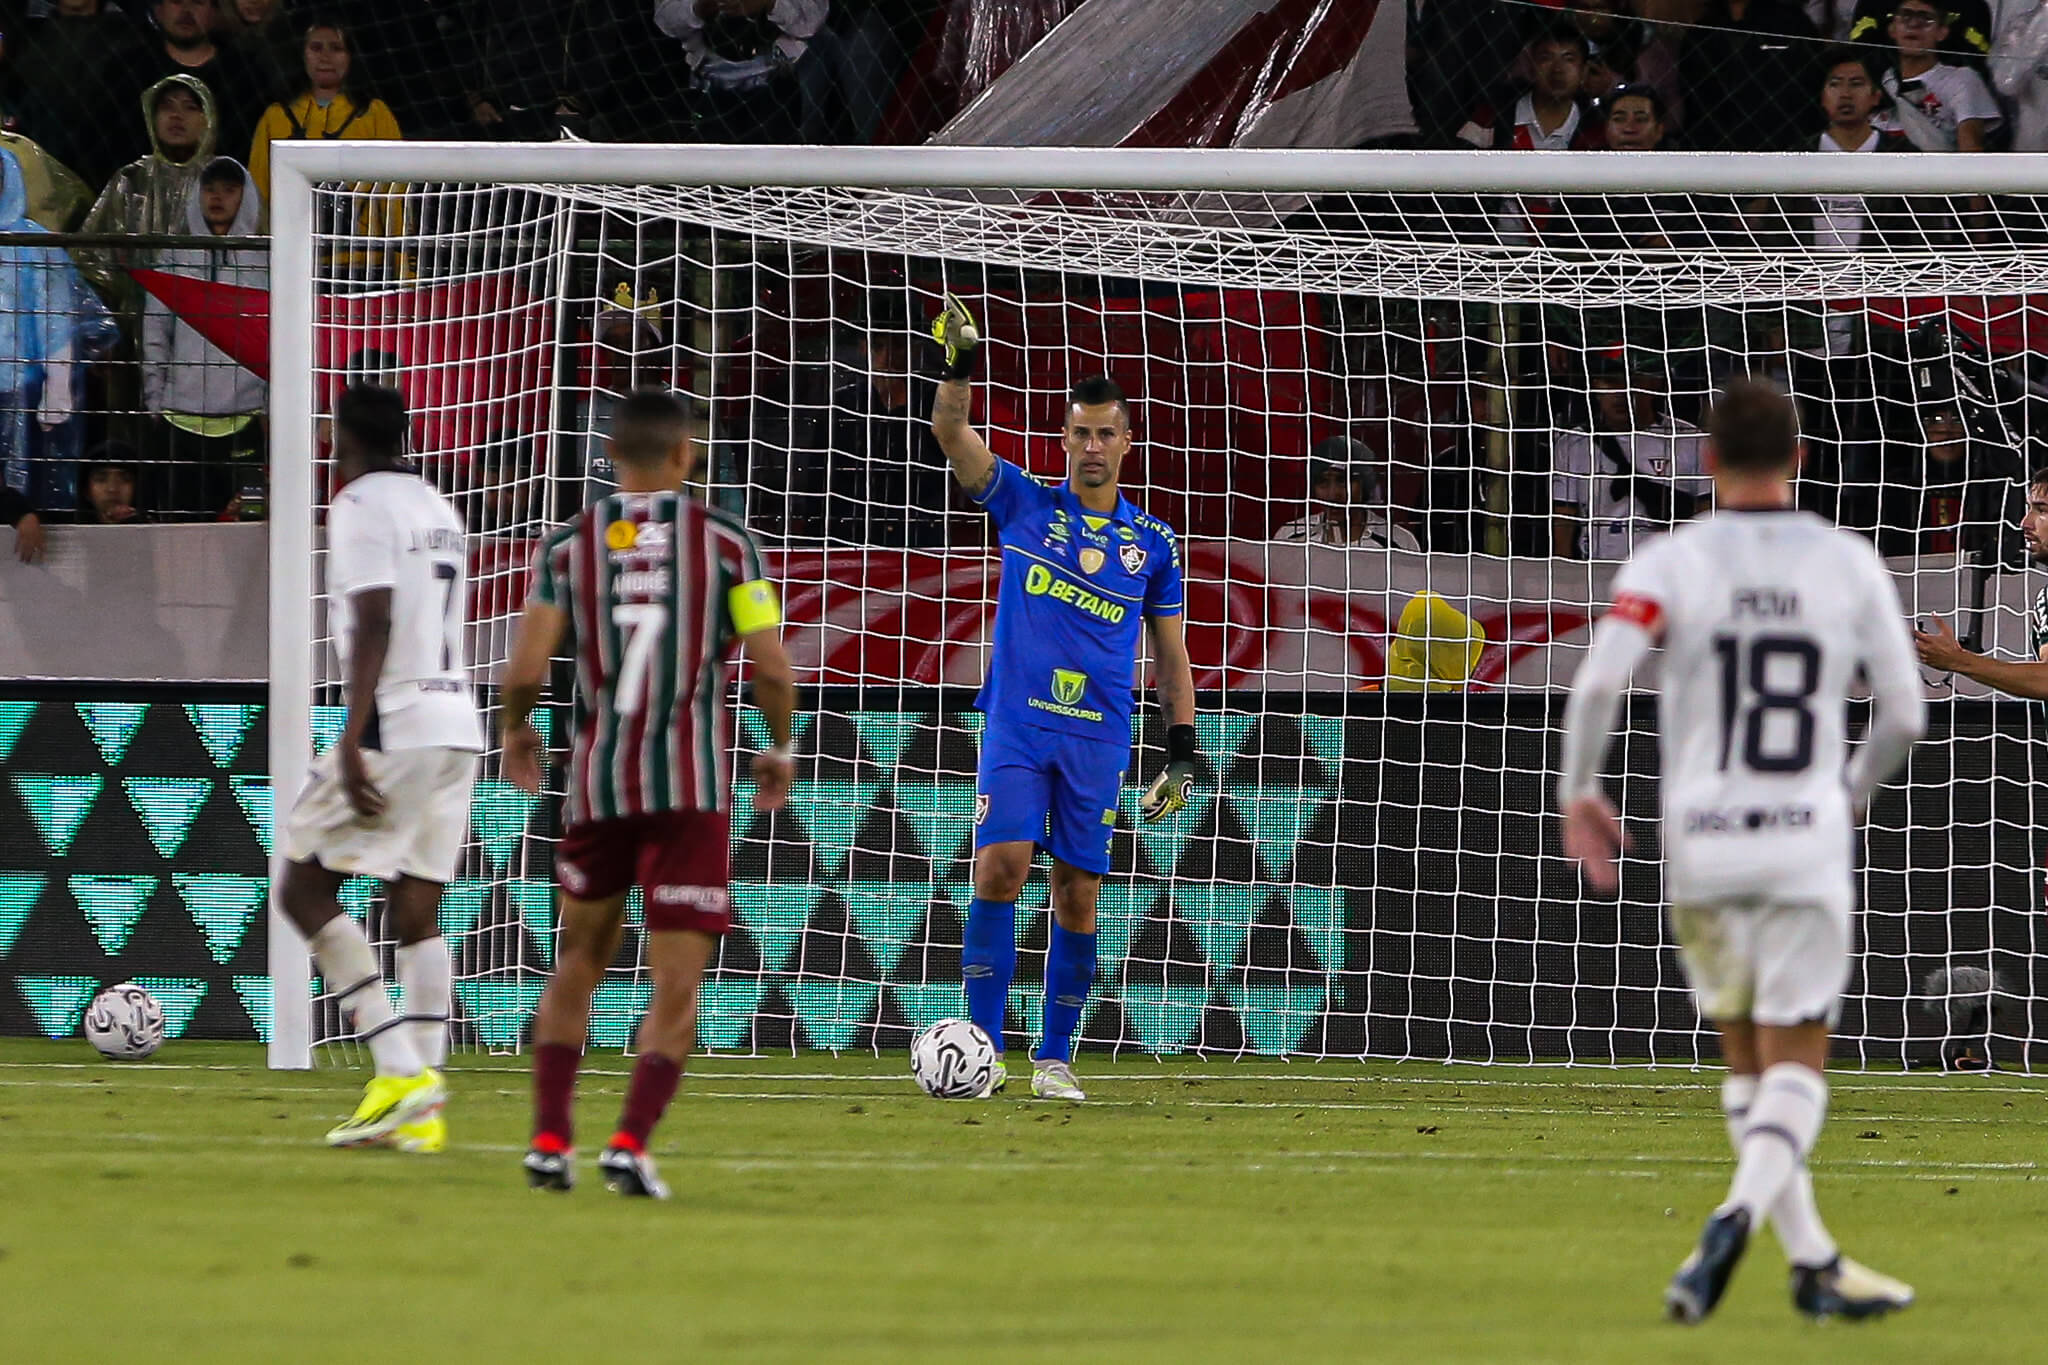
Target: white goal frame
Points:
(298, 166)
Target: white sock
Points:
(427, 973)
(349, 967)
(1794, 1213)
(1784, 1119)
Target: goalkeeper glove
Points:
(1170, 790)
(954, 329)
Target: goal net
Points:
(1407, 411)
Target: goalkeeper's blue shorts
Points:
(1051, 788)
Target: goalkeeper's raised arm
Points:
(973, 463)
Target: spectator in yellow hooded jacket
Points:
(330, 104)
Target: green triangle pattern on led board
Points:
(222, 729)
(756, 729)
(1219, 915)
(535, 902)
(774, 915)
(832, 1012)
(1219, 733)
(253, 795)
(1120, 908)
(726, 1006)
(886, 734)
(940, 813)
(501, 812)
(19, 892)
(327, 723)
(223, 905)
(14, 718)
(886, 914)
(113, 725)
(1166, 838)
(112, 906)
(925, 1004)
(832, 814)
(462, 902)
(1164, 1017)
(615, 1010)
(58, 1002)
(58, 806)
(1275, 817)
(1325, 735)
(167, 807)
(179, 996)
(499, 1006)
(1318, 912)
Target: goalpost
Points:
(1503, 352)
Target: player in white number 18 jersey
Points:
(1767, 617)
(390, 798)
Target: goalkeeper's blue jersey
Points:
(1077, 586)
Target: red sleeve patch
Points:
(1646, 612)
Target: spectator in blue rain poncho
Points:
(45, 313)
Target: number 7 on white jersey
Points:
(643, 624)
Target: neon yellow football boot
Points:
(390, 1103)
(427, 1137)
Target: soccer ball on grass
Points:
(953, 1060)
(125, 1022)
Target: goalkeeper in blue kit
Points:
(1082, 568)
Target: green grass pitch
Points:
(825, 1211)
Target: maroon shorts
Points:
(681, 859)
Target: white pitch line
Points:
(111, 1089)
(1345, 1161)
(1840, 1082)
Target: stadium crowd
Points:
(156, 118)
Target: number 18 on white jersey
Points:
(1767, 619)
(389, 529)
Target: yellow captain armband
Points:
(754, 607)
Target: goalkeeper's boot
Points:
(1052, 1079)
(998, 1077)
(550, 1169)
(389, 1103)
(1844, 1289)
(427, 1137)
(631, 1173)
(1704, 1277)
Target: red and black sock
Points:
(647, 1095)
(554, 1095)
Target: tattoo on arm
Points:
(1174, 675)
(972, 463)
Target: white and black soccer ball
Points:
(953, 1060)
(125, 1022)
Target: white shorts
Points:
(1771, 962)
(420, 834)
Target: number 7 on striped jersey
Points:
(643, 624)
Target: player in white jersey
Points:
(1767, 617)
(390, 798)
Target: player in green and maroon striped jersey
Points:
(653, 588)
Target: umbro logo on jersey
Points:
(1133, 558)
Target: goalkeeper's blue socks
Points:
(988, 959)
(1069, 972)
